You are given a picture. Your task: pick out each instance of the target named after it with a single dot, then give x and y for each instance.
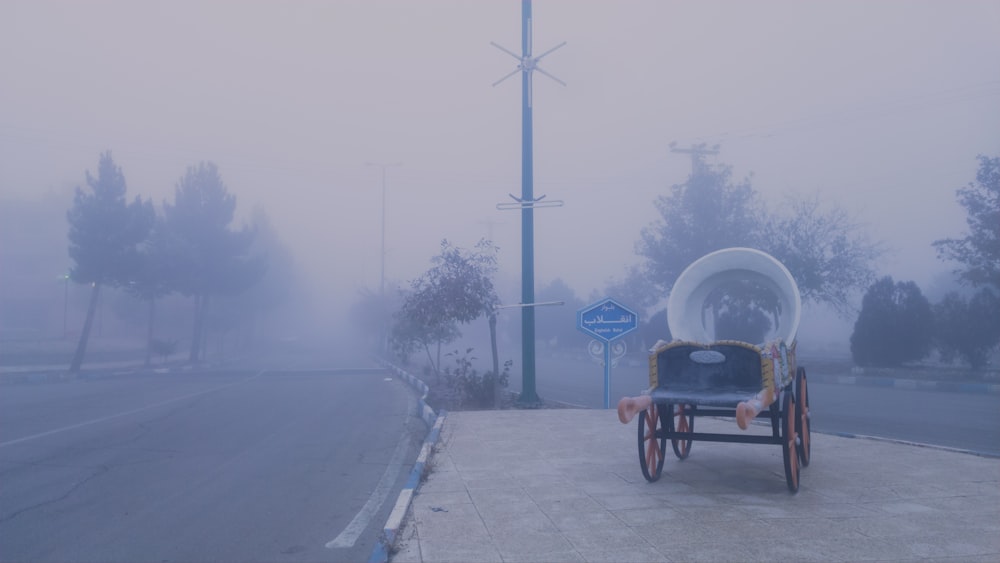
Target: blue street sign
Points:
(606, 320)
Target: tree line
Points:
(830, 254)
(897, 324)
(191, 248)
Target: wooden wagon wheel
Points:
(802, 417)
(652, 444)
(788, 436)
(681, 421)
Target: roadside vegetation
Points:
(898, 332)
(188, 273)
(897, 325)
(142, 265)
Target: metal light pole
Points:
(65, 305)
(527, 64)
(381, 289)
(528, 393)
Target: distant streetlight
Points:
(65, 304)
(381, 284)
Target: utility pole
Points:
(489, 229)
(527, 65)
(65, 305)
(697, 153)
(381, 283)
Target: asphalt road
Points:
(959, 420)
(967, 421)
(239, 466)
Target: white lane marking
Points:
(363, 518)
(126, 413)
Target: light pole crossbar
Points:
(523, 305)
(507, 206)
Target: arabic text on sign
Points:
(599, 319)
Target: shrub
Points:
(466, 387)
(163, 348)
(895, 325)
(967, 329)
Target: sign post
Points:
(606, 320)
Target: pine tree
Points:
(105, 234)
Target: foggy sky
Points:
(880, 107)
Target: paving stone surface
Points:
(565, 485)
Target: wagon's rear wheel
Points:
(788, 436)
(802, 417)
(681, 421)
(652, 445)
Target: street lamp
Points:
(65, 304)
(527, 65)
(381, 283)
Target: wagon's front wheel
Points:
(788, 436)
(682, 421)
(651, 443)
(802, 417)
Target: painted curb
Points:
(426, 412)
(854, 436)
(383, 546)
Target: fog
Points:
(877, 107)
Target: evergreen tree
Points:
(967, 329)
(253, 314)
(895, 325)
(105, 236)
(151, 279)
(209, 258)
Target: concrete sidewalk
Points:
(565, 485)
